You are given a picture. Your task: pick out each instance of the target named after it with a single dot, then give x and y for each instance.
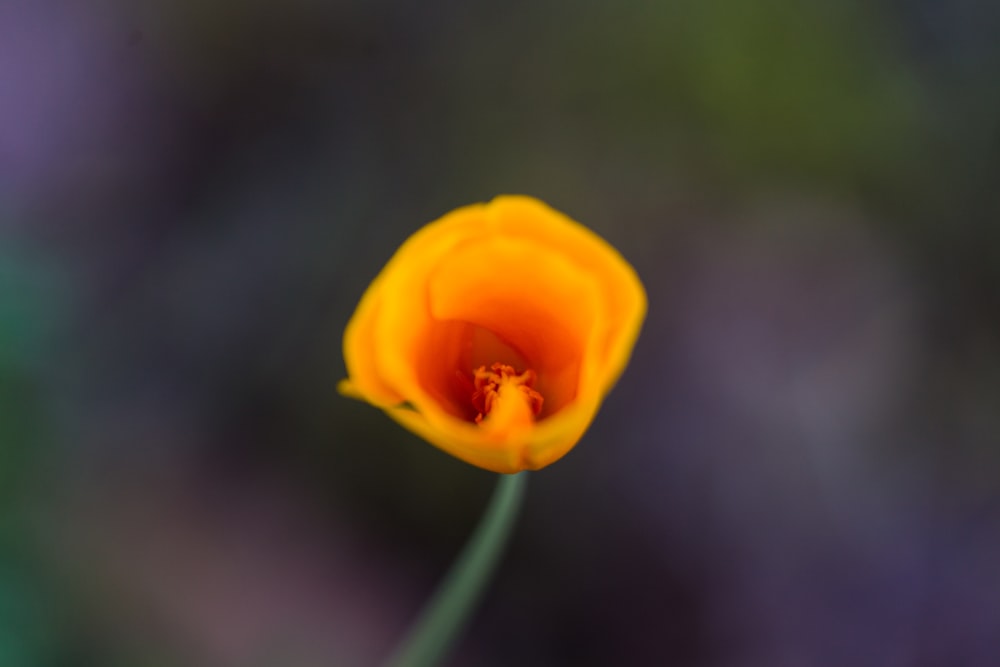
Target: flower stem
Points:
(447, 612)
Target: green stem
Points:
(447, 612)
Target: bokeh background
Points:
(800, 467)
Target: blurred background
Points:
(800, 467)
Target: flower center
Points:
(488, 385)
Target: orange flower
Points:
(495, 332)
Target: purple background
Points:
(799, 468)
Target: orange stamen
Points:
(487, 383)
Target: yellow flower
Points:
(495, 332)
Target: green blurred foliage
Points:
(808, 91)
(29, 309)
(24, 632)
(800, 86)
